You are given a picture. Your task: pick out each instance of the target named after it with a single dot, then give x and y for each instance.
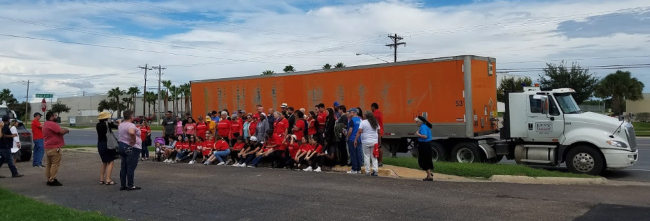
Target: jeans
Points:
(145, 152)
(257, 160)
(38, 152)
(369, 157)
(356, 155)
(219, 154)
(249, 159)
(9, 159)
(182, 155)
(129, 163)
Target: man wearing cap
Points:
(284, 107)
(6, 143)
(37, 135)
(336, 110)
(354, 141)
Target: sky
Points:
(71, 48)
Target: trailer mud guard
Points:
(489, 151)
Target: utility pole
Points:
(395, 38)
(144, 101)
(27, 101)
(160, 68)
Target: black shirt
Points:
(6, 143)
(170, 125)
(102, 130)
(292, 121)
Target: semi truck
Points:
(457, 95)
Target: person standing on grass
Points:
(374, 107)
(424, 146)
(107, 156)
(169, 127)
(53, 135)
(6, 139)
(369, 133)
(37, 135)
(130, 147)
(354, 141)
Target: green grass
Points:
(17, 207)
(75, 146)
(480, 169)
(642, 129)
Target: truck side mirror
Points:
(544, 104)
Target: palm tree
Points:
(268, 72)
(289, 68)
(115, 94)
(167, 84)
(127, 101)
(133, 91)
(339, 65)
(187, 92)
(173, 91)
(327, 66)
(150, 97)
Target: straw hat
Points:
(104, 115)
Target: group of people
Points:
(287, 138)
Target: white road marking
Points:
(639, 170)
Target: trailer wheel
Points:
(585, 160)
(438, 152)
(466, 152)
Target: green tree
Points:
(186, 91)
(327, 66)
(339, 65)
(574, 77)
(59, 107)
(114, 95)
(620, 86)
(511, 84)
(289, 68)
(150, 97)
(133, 92)
(21, 112)
(127, 101)
(7, 96)
(268, 72)
(167, 84)
(173, 91)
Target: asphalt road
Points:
(197, 192)
(639, 172)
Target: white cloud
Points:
(270, 35)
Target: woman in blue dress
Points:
(425, 160)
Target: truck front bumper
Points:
(620, 159)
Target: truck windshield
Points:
(4, 111)
(567, 103)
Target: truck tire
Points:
(25, 155)
(438, 152)
(496, 159)
(585, 160)
(466, 152)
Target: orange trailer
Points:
(456, 94)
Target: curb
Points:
(548, 180)
(382, 171)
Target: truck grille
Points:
(631, 136)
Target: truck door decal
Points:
(543, 127)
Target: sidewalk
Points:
(408, 173)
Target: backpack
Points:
(338, 131)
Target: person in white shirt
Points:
(369, 132)
(15, 150)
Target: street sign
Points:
(44, 96)
(43, 105)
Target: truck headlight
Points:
(616, 143)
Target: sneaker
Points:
(374, 173)
(249, 166)
(55, 183)
(222, 163)
(229, 161)
(166, 161)
(242, 165)
(381, 165)
(174, 161)
(317, 170)
(18, 175)
(41, 166)
(308, 169)
(191, 162)
(235, 164)
(351, 172)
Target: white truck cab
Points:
(548, 128)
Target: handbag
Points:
(111, 140)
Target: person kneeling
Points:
(247, 155)
(236, 150)
(313, 157)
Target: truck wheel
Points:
(25, 155)
(467, 153)
(496, 159)
(585, 160)
(438, 152)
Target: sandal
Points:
(109, 183)
(101, 183)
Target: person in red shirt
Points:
(53, 136)
(299, 127)
(380, 120)
(182, 148)
(321, 119)
(312, 123)
(191, 148)
(279, 150)
(201, 128)
(221, 149)
(280, 125)
(207, 147)
(37, 135)
(312, 156)
(304, 149)
(236, 149)
(252, 127)
(145, 132)
(293, 148)
(235, 129)
(224, 126)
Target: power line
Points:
(144, 101)
(395, 44)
